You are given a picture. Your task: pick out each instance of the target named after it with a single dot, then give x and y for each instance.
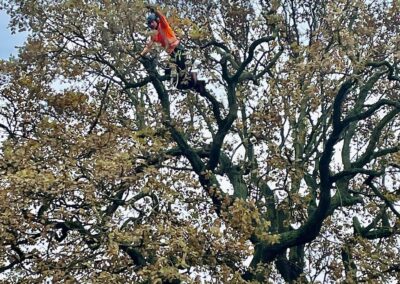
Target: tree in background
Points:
(284, 168)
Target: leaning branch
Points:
(354, 171)
(217, 44)
(250, 56)
(142, 83)
(21, 257)
(223, 128)
(271, 63)
(215, 105)
(372, 110)
(10, 133)
(390, 67)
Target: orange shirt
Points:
(165, 35)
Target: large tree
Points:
(285, 168)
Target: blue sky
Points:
(8, 42)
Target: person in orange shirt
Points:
(165, 36)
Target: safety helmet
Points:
(151, 17)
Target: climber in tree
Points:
(165, 36)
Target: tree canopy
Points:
(285, 168)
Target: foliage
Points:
(285, 168)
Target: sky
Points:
(8, 41)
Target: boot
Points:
(200, 86)
(194, 78)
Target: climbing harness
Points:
(174, 75)
(180, 67)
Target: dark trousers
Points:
(178, 57)
(179, 61)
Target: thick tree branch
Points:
(250, 56)
(235, 175)
(215, 105)
(21, 257)
(348, 263)
(266, 252)
(354, 171)
(194, 159)
(372, 110)
(142, 83)
(102, 104)
(372, 232)
(223, 129)
(390, 67)
(217, 44)
(10, 133)
(134, 254)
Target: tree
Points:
(285, 168)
